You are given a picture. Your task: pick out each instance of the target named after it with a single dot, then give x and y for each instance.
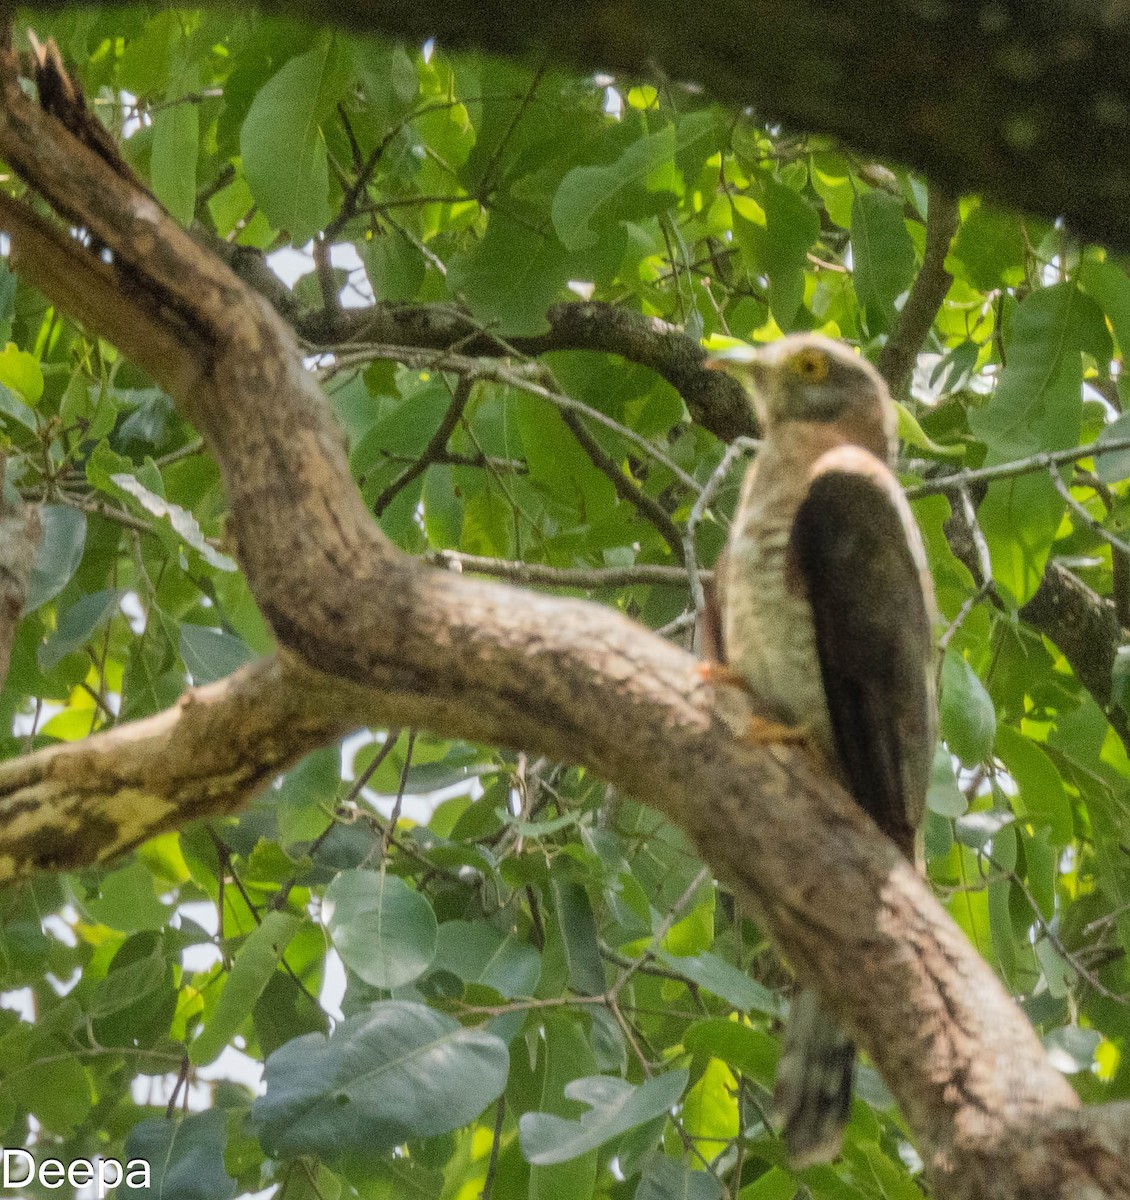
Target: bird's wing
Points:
(857, 554)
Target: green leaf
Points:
(185, 1156)
(55, 1089)
(725, 981)
(882, 255)
(747, 1050)
(77, 625)
(576, 490)
(211, 654)
(396, 1071)
(710, 1110)
(7, 301)
(21, 372)
(479, 953)
(255, 962)
(1071, 1048)
(512, 276)
(395, 267)
(1058, 972)
(989, 249)
(183, 522)
(307, 796)
(775, 1184)
(59, 553)
(615, 1106)
(12, 407)
(667, 1179)
(1042, 798)
(1037, 406)
(913, 434)
(1115, 466)
(384, 931)
(832, 182)
(778, 248)
(1110, 287)
(282, 144)
(566, 1055)
(139, 991)
(639, 183)
(944, 796)
(578, 934)
(968, 719)
(126, 900)
(176, 147)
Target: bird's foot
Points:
(758, 729)
(719, 675)
(765, 731)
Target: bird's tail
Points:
(812, 1097)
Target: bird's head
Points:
(812, 379)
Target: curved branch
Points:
(898, 356)
(80, 803)
(714, 399)
(381, 634)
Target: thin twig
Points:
(227, 866)
(492, 1162)
(682, 621)
(528, 381)
(737, 447)
(435, 446)
(647, 506)
(327, 282)
(394, 816)
(1047, 931)
(1078, 509)
(564, 577)
(449, 458)
(670, 919)
(485, 188)
(1017, 466)
(1119, 562)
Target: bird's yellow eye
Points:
(810, 364)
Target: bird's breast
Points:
(768, 633)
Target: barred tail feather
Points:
(812, 1098)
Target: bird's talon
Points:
(719, 675)
(764, 731)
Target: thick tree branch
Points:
(714, 399)
(1024, 103)
(80, 803)
(380, 636)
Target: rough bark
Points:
(714, 399)
(1027, 103)
(369, 634)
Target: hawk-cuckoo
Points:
(825, 615)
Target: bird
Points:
(825, 614)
